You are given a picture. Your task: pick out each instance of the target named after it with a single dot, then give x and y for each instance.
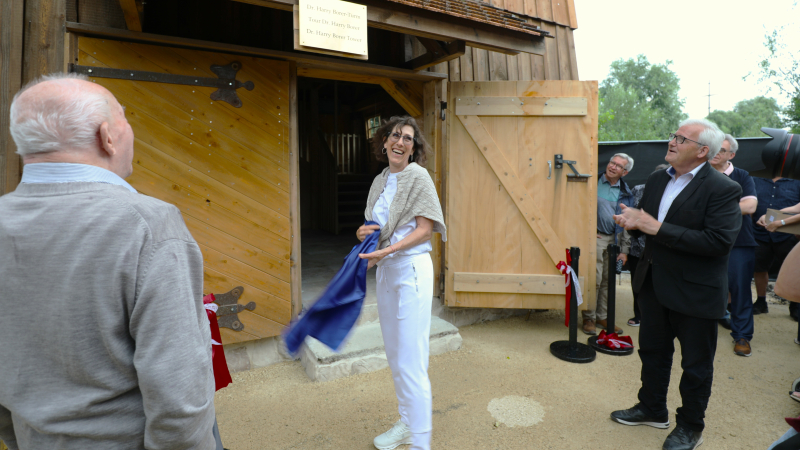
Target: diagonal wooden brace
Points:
(438, 52)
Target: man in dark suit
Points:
(690, 214)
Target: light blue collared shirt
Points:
(70, 173)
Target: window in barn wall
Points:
(373, 123)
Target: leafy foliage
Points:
(780, 69)
(639, 101)
(748, 116)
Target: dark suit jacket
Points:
(689, 255)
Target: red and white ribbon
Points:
(562, 266)
(614, 341)
(213, 308)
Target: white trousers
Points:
(405, 293)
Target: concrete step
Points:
(364, 351)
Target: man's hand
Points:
(622, 257)
(772, 226)
(637, 219)
(762, 221)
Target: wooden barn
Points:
(264, 143)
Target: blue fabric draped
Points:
(332, 317)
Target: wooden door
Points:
(509, 216)
(226, 168)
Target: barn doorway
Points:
(337, 120)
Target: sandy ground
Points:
(278, 407)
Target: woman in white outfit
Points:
(404, 202)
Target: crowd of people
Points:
(121, 340)
(694, 238)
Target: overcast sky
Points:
(719, 41)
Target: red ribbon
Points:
(222, 377)
(614, 341)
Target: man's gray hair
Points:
(734, 145)
(628, 166)
(711, 135)
(67, 120)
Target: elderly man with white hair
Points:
(691, 217)
(105, 340)
(742, 261)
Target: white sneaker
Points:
(399, 434)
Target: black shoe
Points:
(635, 416)
(683, 438)
(725, 322)
(794, 311)
(760, 306)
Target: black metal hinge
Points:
(444, 109)
(226, 84)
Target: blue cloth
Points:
(774, 195)
(741, 264)
(332, 317)
(68, 172)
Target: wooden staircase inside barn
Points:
(353, 190)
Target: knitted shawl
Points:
(416, 196)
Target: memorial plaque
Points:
(331, 27)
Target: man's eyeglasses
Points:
(681, 139)
(612, 163)
(407, 140)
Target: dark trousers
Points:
(633, 261)
(740, 271)
(698, 339)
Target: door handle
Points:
(549, 169)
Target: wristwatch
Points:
(783, 223)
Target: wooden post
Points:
(294, 193)
(11, 25)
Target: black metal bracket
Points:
(226, 84)
(444, 110)
(574, 176)
(229, 309)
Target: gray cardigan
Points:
(105, 341)
(416, 196)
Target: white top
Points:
(380, 214)
(674, 187)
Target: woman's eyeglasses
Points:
(407, 140)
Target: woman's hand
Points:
(762, 221)
(365, 230)
(375, 256)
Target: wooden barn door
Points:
(227, 168)
(510, 212)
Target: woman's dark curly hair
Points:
(421, 147)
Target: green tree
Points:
(780, 70)
(639, 101)
(748, 116)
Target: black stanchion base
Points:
(573, 352)
(609, 351)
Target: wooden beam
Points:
(304, 60)
(410, 100)
(11, 25)
(131, 13)
(513, 185)
(422, 23)
(521, 106)
(294, 209)
(437, 53)
(510, 283)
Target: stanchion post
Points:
(572, 350)
(613, 251)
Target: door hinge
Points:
(444, 109)
(226, 84)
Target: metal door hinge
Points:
(574, 176)
(229, 309)
(444, 109)
(226, 84)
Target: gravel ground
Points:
(504, 390)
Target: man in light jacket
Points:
(105, 340)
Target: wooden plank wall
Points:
(229, 170)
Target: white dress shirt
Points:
(380, 213)
(674, 187)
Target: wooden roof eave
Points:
(306, 61)
(427, 24)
